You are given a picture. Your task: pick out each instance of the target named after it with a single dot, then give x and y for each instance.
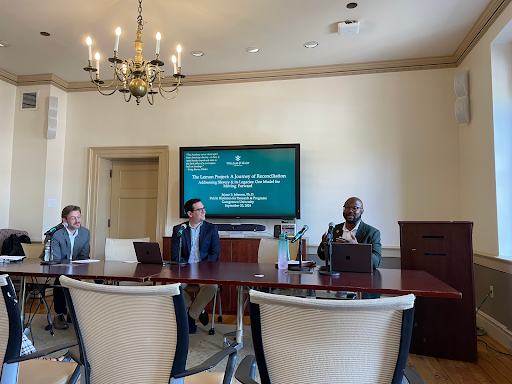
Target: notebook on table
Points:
(148, 253)
(351, 257)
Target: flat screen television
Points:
(243, 181)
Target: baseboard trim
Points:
(495, 329)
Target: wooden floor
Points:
(491, 368)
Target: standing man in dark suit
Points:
(200, 242)
(354, 230)
(70, 243)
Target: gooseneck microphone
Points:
(56, 228)
(178, 235)
(182, 228)
(299, 268)
(330, 233)
(300, 233)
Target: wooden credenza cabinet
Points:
(233, 249)
(444, 328)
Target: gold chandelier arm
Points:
(175, 90)
(152, 101)
(105, 93)
(129, 98)
(99, 83)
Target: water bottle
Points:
(282, 252)
(47, 251)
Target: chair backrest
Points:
(355, 341)
(267, 251)
(10, 329)
(121, 249)
(32, 251)
(129, 334)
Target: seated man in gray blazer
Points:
(71, 243)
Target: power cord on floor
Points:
(494, 349)
(480, 331)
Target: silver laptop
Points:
(148, 253)
(351, 257)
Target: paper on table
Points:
(130, 261)
(87, 261)
(12, 258)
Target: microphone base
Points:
(329, 273)
(49, 262)
(177, 263)
(298, 268)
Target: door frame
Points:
(161, 153)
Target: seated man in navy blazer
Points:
(200, 242)
(70, 243)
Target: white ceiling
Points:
(222, 29)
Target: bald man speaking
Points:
(354, 230)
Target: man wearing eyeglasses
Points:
(354, 230)
(200, 242)
(69, 243)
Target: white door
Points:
(133, 200)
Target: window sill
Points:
(496, 262)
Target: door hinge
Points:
(110, 173)
(109, 223)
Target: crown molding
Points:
(485, 20)
(43, 79)
(8, 77)
(298, 73)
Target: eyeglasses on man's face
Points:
(203, 209)
(353, 209)
(74, 218)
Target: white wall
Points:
(37, 164)
(390, 139)
(29, 164)
(478, 181)
(54, 180)
(7, 99)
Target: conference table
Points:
(239, 274)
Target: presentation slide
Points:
(242, 182)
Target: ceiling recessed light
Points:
(44, 33)
(4, 43)
(351, 5)
(197, 53)
(252, 49)
(310, 44)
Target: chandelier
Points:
(136, 77)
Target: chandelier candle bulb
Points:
(174, 63)
(178, 48)
(89, 43)
(118, 33)
(158, 38)
(97, 57)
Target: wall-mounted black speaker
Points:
(241, 227)
(277, 230)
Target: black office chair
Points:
(354, 341)
(23, 369)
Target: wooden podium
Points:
(443, 328)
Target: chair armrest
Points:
(245, 371)
(210, 362)
(44, 352)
